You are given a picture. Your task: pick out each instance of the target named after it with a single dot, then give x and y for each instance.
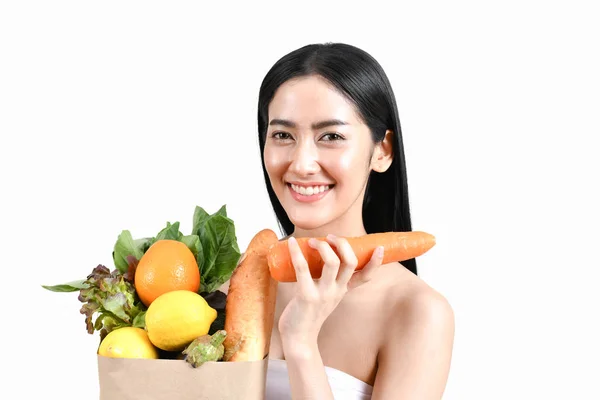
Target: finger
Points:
(331, 262)
(303, 276)
(347, 257)
(365, 274)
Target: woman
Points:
(333, 162)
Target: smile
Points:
(309, 190)
(309, 193)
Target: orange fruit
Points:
(166, 266)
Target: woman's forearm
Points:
(308, 379)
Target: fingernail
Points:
(380, 251)
(312, 242)
(292, 239)
(331, 236)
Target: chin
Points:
(309, 216)
(308, 221)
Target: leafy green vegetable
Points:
(193, 243)
(113, 298)
(219, 246)
(222, 253)
(73, 286)
(126, 246)
(200, 217)
(171, 232)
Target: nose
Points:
(304, 159)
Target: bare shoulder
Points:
(423, 305)
(419, 309)
(418, 340)
(409, 297)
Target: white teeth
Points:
(309, 190)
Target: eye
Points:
(330, 137)
(281, 136)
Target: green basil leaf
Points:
(200, 217)
(170, 232)
(124, 247)
(192, 242)
(73, 286)
(221, 252)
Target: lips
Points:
(310, 190)
(308, 193)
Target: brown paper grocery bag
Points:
(143, 379)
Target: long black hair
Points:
(358, 76)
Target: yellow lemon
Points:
(176, 318)
(127, 342)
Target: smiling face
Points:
(318, 155)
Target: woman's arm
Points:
(302, 318)
(414, 363)
(308, 379)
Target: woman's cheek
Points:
(346, 162)
(274, 162)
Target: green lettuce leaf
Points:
(113, 298)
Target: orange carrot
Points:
(250, 303)
(397, 246)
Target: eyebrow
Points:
(316, 125)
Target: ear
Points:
(383, 153)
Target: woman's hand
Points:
(301, 320)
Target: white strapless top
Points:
(343, 385)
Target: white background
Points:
(126, 115)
